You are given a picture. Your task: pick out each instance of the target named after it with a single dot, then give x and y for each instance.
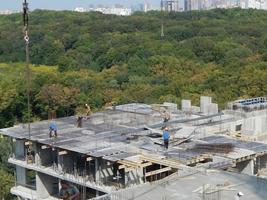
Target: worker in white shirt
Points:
(238, 196)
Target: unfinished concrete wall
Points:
(204, 104)
(46, 185)
(186, 105)
(134, 177)
(213, 108)
(66, 162)
(246, 167)
(255, 123)
(46, 156)
(105, 170)
(260, 163)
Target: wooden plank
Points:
(129, 163)
(146, 164)
(163, 162)
(122, 166)
(89, 159)
(158, 171)
(61, 153)
(129, 169)
(132, 167)
(45, 147)
(28, 143)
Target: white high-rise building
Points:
(210, 4)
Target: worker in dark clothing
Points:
(80, 121)
(115, 170)
(166, 138)
(68, 191)
(53, 129)
(166, 117)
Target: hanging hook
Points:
(26, 20)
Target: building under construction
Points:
(119, 154)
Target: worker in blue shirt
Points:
(166, 138)
(53, 129)
(68, 191)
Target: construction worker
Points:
(166, 138)
(30, 156)
(166, 116)
(88, 111)
(238, 196)
(68, 191)
(53, 129)
(80, 121)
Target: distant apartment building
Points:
(116, 10)
(138, 7)
(170, 5)
(187, 5)
(7, 12)
(80, 9)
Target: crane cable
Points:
(27, 41)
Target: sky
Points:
(66, 4)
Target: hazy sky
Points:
(66, 4)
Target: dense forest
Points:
(98, 59)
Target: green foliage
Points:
(102, 59)
(6, 182)
(6, 170)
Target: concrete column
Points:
(60, 163)
(19, 149)
(38, 155)
(97, 170)
(21, 175)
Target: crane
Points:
(27, 41)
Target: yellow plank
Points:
(158, 171)
(89, 159)
(45, 147)
(146, 164)
(61, 153)
(28, 143)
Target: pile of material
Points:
(215, 147)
